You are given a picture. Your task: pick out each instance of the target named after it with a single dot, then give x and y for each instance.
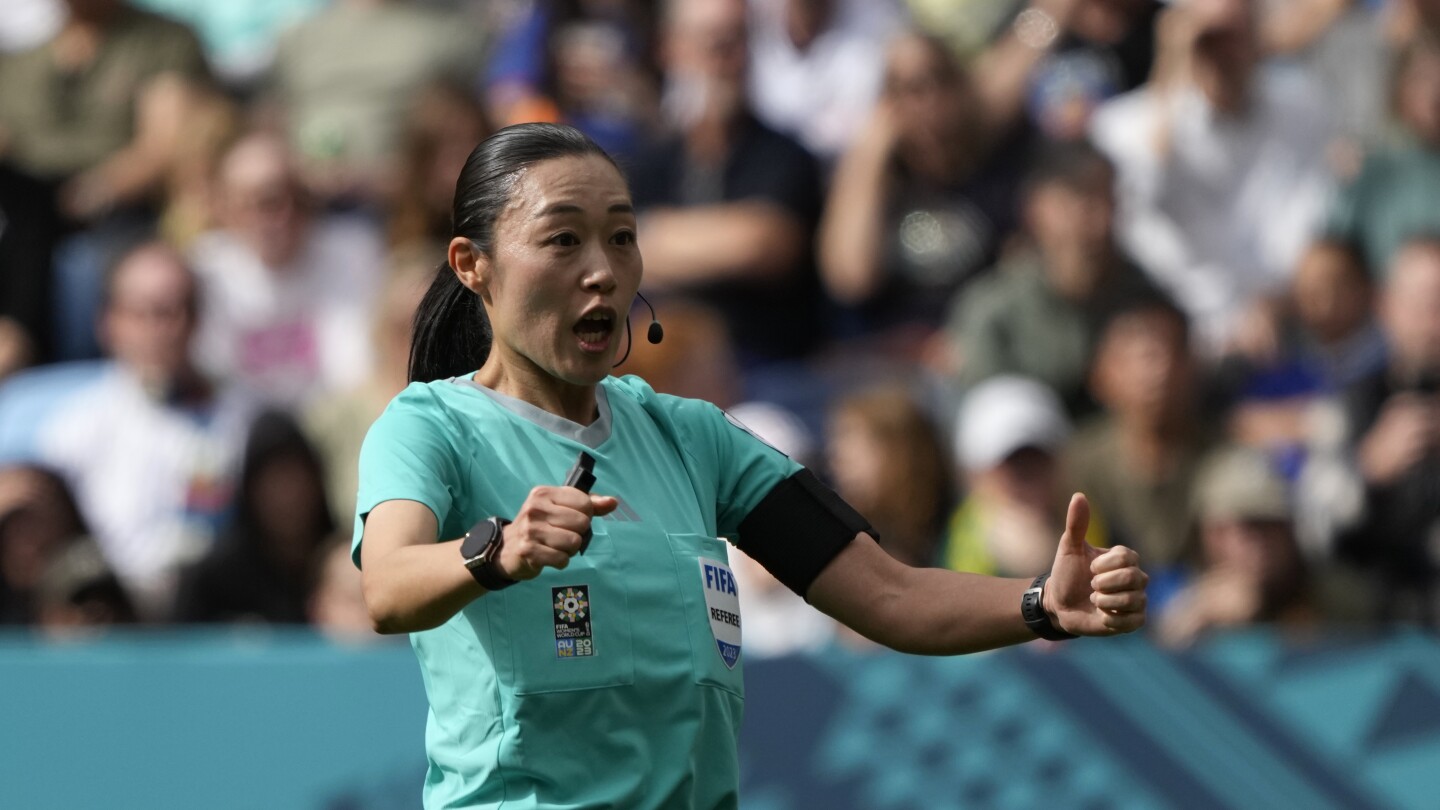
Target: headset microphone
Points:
(656, 332)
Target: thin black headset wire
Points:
(630, 338)
(629, 343)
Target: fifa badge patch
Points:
(573, 638)
(722, 606)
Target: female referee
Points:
(572, 662)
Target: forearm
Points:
(852, 230)
(417, 587)
(926, 611)
(751, 239)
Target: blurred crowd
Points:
(962, 256)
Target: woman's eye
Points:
(624, 238)
(564, 240)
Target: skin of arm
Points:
(413, 583)
(930, 611)
(852, 229)
(753, 239)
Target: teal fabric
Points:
(651, 717)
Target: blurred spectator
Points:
(1397, 193)
(444, 125)
(147, 442)
(287, 290)
(239, 38)
(345, 77)
(337, 602)
(1329, 339)
(887, 460)
(1084, 52)
(1137, 462)
(1251, 567)
(728, 207)
(28, 23)
(1010, 433)
(212, 123)
(919, 204)
(38, 521)
(1039, 312)
(260, 569)
(336, 424)
(696, 358)
(587, 63)
(1222, 172)
(1394, 422)
(79, 594)
(817, 66)
(80, 110)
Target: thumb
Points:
(604, 504)
(1077, 522)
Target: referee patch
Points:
(573, 638)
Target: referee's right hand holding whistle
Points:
(549, 529)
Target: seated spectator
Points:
(79, 595)
(919, 203)
(444, 124)
(1010, 433)
(1397, 193)
(1393, 418)
(1328, 340)
(287, 290)
(1039, 312)
(90, 128)
(336, 424)
(886, 459)
(260, 569)
(1251, 570)
(336, 605)
(39, 520)
(147, 442)
(344, 78)
(1222, 173)
(728, 206)
(587, 63)
(1138, 460)
(816, 66)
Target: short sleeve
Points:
(407, 455)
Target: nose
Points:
(599, 274)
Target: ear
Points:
(471, 266)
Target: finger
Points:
(566, 541)
(568, 497)
(1126, 602)
(602, 505)
(1125, 579)
(1113, 559)
(1077, 522)
(1123, 622)
(538, 556)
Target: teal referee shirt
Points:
(616, 682)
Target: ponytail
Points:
(451, 333)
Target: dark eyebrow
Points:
(571, 208)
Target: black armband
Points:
(797, 529)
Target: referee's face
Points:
(565, 269)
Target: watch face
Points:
(480, 536)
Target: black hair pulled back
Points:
(452, 335)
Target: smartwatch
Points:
(480, 548)
(1032, 610)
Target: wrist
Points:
(1039, 614)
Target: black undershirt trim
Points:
(798, 528)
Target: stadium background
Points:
(267, 717)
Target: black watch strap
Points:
(1032, 610)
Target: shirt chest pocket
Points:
(711, 600)
(570, 629)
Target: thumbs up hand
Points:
(1093, 592)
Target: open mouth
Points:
(594, 330)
